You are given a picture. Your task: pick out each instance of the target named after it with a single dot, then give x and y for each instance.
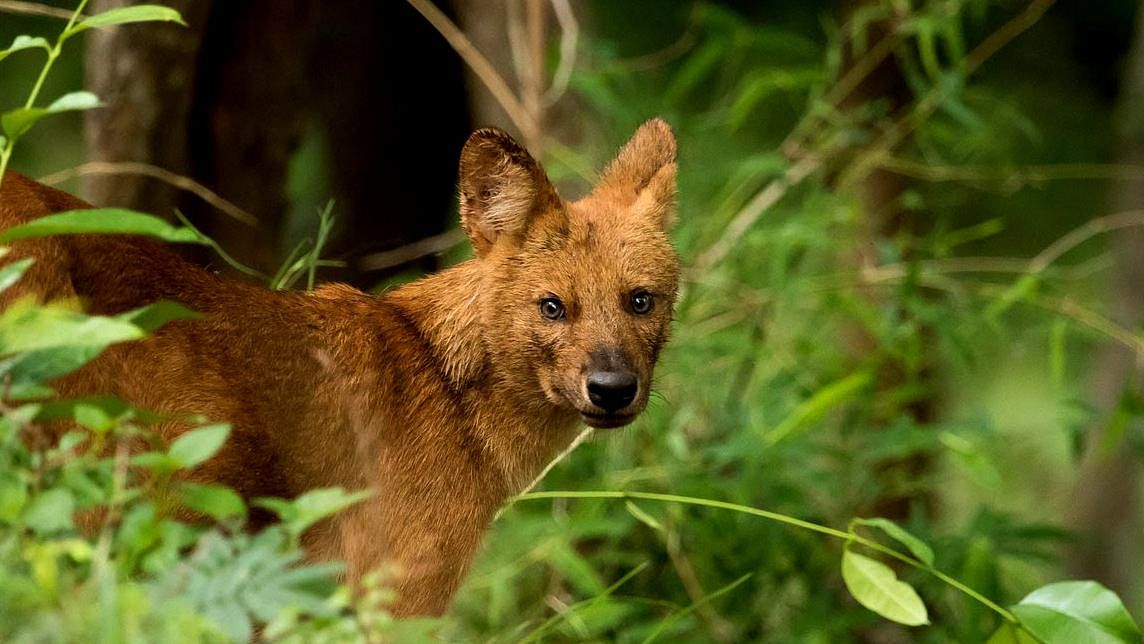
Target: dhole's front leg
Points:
(423, 557)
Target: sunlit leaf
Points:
(216, 501)
(11, 273)
(311, 507)
(876, 587)
(24, 42)
(125, 15)
(197, 445)
(100, 220)
(1077, 611)
(50, 512)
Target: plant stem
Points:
(53, 54)
(781, 518)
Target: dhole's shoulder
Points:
(22, 199)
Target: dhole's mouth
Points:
(606, 421)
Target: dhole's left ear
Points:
(502, 187)
(642, 177)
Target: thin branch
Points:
(1081, 234)
(569, 38)
(1018, 174)
(20, 7)
(750, 213)
(155, 172)
(477, 62)
(409, 252)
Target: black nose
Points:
(611, 390)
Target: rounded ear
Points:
(502, 186)
(642, 176)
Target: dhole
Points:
(445, 396)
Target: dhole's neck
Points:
(519, 428)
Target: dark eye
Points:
(551, 308)
(642, 302)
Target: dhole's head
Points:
(576, 297)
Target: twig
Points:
(569, 37)
(34, 9)
(922, 109)
(155, 172)
(750, 213)
(409, 252)
(1083, 233)
(477, 62)
(576, 442)
(1019, 174)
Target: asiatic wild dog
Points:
(445, 396)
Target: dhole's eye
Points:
(642, 302)
(551, 308)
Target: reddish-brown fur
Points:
(444, 396)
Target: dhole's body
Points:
(444, 396)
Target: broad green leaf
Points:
(311, 507)
(154, 315)
(25, 327)
(198, 445)
(18, 121)
(1077, 611)
(917, 547)
(93, 418)
(125, 15)
(13, 498)
(11, 273)
(50, 512)
(100, 220)
(876, 587)
(24, 42)
(217, 501)
(74, 101)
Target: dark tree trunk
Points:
(1108, 488)
(227, 100)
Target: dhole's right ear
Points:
(502, 187)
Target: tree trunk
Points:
(1108, 489)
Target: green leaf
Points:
(100, 220)
(876, 587)
(125, 15)
(18, 121)
(217, 501)
(1076, 611)
(920, 549)
(198, 445)
(154, 315)
(13, 498)
(823, 400)
(24, 42)
(74, 101)
(11, 273)
(50, 512)
(24, 327)
(311, 507)
(93, 417)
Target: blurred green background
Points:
(914, 271)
